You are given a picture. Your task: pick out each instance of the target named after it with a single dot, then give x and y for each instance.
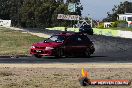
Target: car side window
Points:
(75, 40)
(79, 39)
(71, 41)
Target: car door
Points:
(85, 43)
(73, 45)
(80, 47)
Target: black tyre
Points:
(87, 52)
(38, 56)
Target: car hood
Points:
(43, 44)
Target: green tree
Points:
(35, 13)
(4, 9)
(123, 7)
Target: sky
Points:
(97, 9)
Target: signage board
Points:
(72, 7)
(68, 17)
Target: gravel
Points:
(58, 78)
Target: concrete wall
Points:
(114, 33)
(106, 32)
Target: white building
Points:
(126, 17)
(5, 23)
(107, 24)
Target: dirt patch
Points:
(58, 78)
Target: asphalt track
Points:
(108, 50)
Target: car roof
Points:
(69, 34)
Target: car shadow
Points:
(92, 59)
(73, 57)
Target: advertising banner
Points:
(68, 17)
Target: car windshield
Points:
(55, 38)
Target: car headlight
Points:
(49, 48)
(33, 47)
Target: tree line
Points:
(36, 13)
(123, 7)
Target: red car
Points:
(64, 44)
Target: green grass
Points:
(15, 42)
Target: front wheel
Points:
(38, 56)
(59, 52)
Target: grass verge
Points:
(16, 42)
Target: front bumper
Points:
(42, 52)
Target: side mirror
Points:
(45, 41)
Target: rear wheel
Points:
(38, 56)
(87, 52)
